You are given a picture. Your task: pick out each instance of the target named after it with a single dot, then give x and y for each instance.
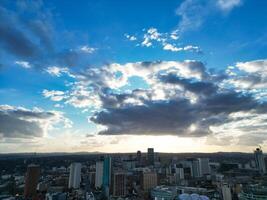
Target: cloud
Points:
(173, 48)
(130, 37)
(176, 114)
(58, 71)
(166, 40)
(19, 122)
(187, 10)
(251, 75)
(12, 39)
(54, 95)
(23, 64)
(87, 49)
(228, 5)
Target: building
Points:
(107, 175)
(204, 167)
(99, 174)
(56, 196)
(253, 192)
(75, 175)
(150, 156)
(138, 157)
(31, 181)
(179, 173)
(226, 192)
(163, 193)
(259, 160)
(149, 180)
(119, 184)
(107, 171)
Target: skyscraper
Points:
(75, 175)
(204, 167)
(150, 156)
(31, 181)
(259, 160)
(138, 156)
(107, 171)
(107, 175)
(119, 184)
(99, 174)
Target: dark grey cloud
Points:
(18, 122)
(176, 115)
(154, 118)
(199, 87)
(12, 39)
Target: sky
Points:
(122, 76)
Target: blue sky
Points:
(101, 76)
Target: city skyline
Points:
(122, 76)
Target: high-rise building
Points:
(119, 184)
(99, 174)
(195, 168)
(107, 171)
(138, 156)
(149, 180)
(179, 173)
(204, 166)
(226, 192)
(150, 156)
(259, 160)
(107, 175)
(75, 175)
(31, 181)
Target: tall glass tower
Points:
(107, 175)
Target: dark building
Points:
(119, 184)
(138, 156)
(31, 181)
(150, 156)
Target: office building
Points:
(226, 192)
(149, 180)
(75, 175)
(259, 160)
(107, 171)
(119, 184)
(99, 174)
(31, 181)
(138, 157)
(204, 167)
(150, 156)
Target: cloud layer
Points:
(19, 122)
(176, 98)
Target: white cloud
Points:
(54, 95)
(23, 64)
(58, 71)
(130, 37)
(251, 75)
(87, 49)
(228, 5)
(171, 47)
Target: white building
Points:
(99, 174)
(259, 160)
(226, 192)
(75, 175)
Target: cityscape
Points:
(133, 99)
(140, 175)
